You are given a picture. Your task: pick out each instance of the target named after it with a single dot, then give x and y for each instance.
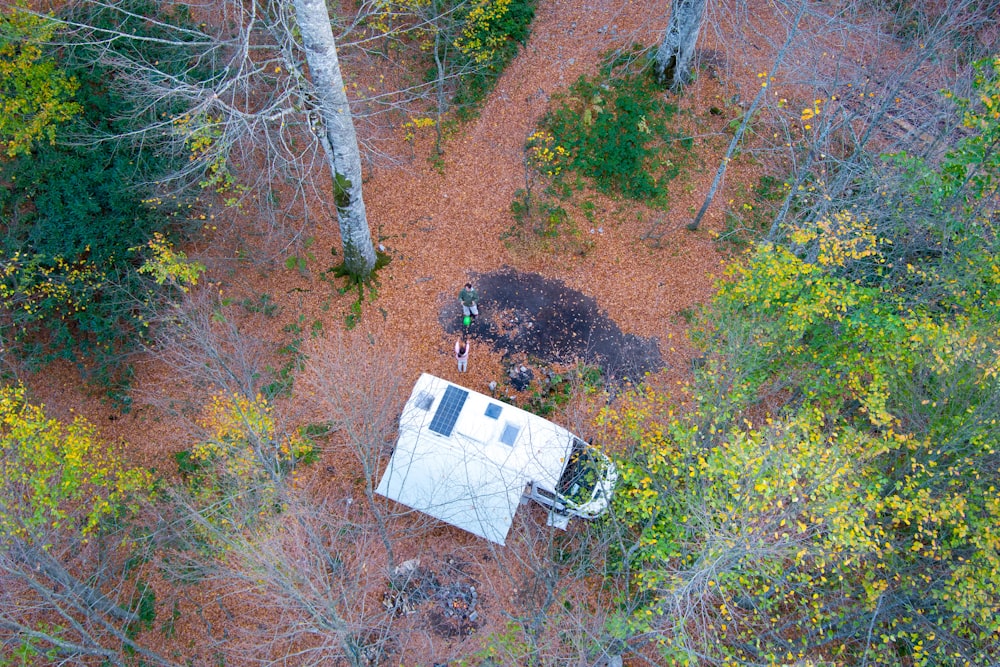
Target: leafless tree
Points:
(76, 600)
(748, 114)
(297, 571)
(855, 84)
(872, 83)
(353, 381)
(212, 346)
(250, 100)
(306, 582)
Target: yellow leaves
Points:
(389, 17)
(37, 281)
(244, 442)
(811, 112)
(544, 155)
(409, 127)
(842, 237)
(480, 40)
(167, 265)
(35, 96)
(53, 473)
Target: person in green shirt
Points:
(468, 298)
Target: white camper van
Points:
(470, 460)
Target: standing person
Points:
(462, 354)
(468, 298)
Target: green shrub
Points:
(614, 130)
(490, 38)
(76, 215)
(555, 390)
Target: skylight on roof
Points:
(493, 411)
(509, 435)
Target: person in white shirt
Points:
(462, 354)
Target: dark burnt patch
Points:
(529, 314)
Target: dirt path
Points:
(442, 227)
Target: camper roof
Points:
(466, 458)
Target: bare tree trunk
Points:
(673, 58)
(747, 115)
(339, 138)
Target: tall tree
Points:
(673, 57)
(67, 586)
(857, 517)
(747, 116)
(340, 141)
(240, 93)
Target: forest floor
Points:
(444, 226)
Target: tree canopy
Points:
(35, 94)
(833, 490)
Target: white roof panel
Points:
(471, 479)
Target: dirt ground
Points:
(526, 316)
(620, 305)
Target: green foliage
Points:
(555, 390)
(144, 609)
(169, 625)
(501, 647)
(613, 129)
(35, 95)
(541, 221)
(300, 262)
(284, 377)
(464, 45)
(79, 222)
(57, 479)
(832, 494)
(491, 32)
(187, 465)
(27, 651)
(263, 304)
(969, 171)
(355, 283)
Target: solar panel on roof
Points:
(448, 411)
(493, 411)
